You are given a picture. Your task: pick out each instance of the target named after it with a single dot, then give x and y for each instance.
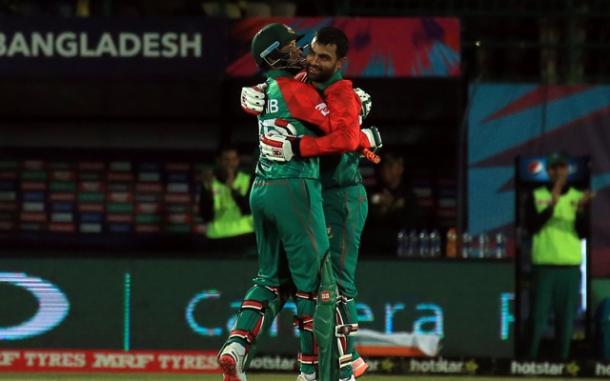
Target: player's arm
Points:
(304, 103)
(344, 133)
(338, 117)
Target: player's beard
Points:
(318, 74)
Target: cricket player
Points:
(345, 201)
(286, 204)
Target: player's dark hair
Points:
(330, 35)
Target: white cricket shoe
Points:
(231, 361)
(306, 377)
(351, 378)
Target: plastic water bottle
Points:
(413, 248)
(424, 243)
(451, 249)
(402, 243)
(466, 245)
(482, 249)
(435, 243)
(500, 249)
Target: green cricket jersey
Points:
(295, 102)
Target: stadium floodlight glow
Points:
(53, 307)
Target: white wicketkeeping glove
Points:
(365, 101)
(277, 147)
(279, 143)
(373, 136)
(253, 98)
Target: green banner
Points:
(190, 303)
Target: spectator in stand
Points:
(224, 203)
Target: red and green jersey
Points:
(338, 119)
(302, 106)
(344, 105)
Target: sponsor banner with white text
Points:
(45, 360)
(104, 361)
(201, 47)
(112, 47)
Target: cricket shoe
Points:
(350, 378)
(231, 361)
(307, 377)
(359, 366)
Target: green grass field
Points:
(253, 377)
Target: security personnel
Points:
(224, 204)
(557, 221)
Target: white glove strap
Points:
(370, 137)
(276, 147)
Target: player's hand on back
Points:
(279, 142)
(373, 136)
(253, 99)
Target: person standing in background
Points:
(557, 219)
(224, 201)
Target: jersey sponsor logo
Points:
(323, 109)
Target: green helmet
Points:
(266, 45)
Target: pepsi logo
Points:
(535, 167)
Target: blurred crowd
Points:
(144, 8)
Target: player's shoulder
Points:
(293, 83)
(342, 85)
(296, 88)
